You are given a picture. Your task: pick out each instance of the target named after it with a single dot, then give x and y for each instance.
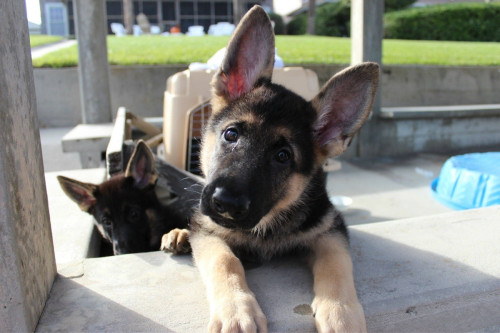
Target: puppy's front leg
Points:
(335, 305)
(233, 307)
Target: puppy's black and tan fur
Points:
(126, 209)
(262, 156)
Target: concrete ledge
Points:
(72, 230)
(438, 273)
(91, 140)
(87, 138)
(433, 112)
(141, 88)
(430, 274)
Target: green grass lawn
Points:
(37, 40)
(159, 50)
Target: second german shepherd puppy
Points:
(262, 155)
(126, 208)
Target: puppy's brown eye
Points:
(283, 156)
(231, 135)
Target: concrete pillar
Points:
(27, 263)
(367, 31)
(311, 17)
(91, 31)
(366, 45)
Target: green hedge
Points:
(392, 5)
(279, 25)
(298, 25)
(332, 19)
(455, 22)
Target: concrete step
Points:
(426, 274)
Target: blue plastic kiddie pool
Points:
(469, 181)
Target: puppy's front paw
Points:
(176, 241)
(334, 316)
(240, 313)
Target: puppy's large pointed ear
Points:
(249, 56)
(79, 192)
(343, 104)
(141, 166)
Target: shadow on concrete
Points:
(356, 216)
(420, 275)
(72, 307)
(181, 259)
(403, 288)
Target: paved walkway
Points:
(42, 50)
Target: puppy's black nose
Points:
(226, 203)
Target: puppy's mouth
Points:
(226, 221)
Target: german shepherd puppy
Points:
(126, 209)
(262, 155)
